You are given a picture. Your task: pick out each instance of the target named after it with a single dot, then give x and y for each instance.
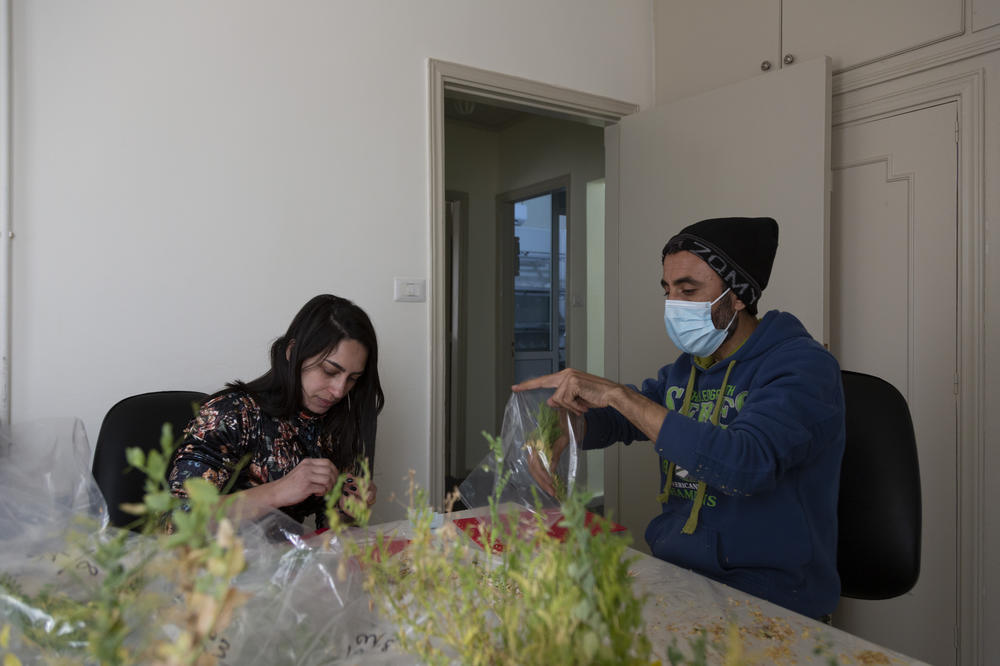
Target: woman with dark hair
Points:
(288, 434)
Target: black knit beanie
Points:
(740, 249)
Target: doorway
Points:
(539, 275)
(523, 178)
(532, 260)
(547, 133)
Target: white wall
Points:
(187, 174)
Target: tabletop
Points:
(681, 605)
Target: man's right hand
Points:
(575, 391)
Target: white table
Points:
(681, 603)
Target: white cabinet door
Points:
(704, 44)
(758, 147)
(854, 32)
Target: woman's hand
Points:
(351, 488)
(312, 476)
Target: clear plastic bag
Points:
(51, 517)
(304, 607)
(303, 601)
(524, 437)
(46, 482)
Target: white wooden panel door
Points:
(853, 32)
(758, 147)
(893, 249)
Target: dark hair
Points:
(673, 246)
(319, 326)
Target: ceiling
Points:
(481, 115)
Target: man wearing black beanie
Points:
(748, 422)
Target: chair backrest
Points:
(878, 553)
(136, 421)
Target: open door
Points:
(755, 148)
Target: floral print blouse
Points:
(232, 426)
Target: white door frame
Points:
(540, 98)
(6, 220)
(967, 89)
(458, 240)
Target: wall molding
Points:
(914, 62)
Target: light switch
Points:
(412, 290)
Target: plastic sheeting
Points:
(53, 519)
(304, 602)
(520, 423)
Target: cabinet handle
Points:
(766, 65)
(788, 59)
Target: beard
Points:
(723, 316)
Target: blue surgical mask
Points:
(689, 325)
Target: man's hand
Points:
(575, 391)
(541, 473)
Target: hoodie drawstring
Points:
(664, 496)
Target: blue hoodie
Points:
(763, 456)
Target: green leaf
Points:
(135, 457)
(184, 526)
(156, 465)
(591, 644)
(201, 492)
(159, 501)
(582, 610)
(133, 508)
(167, 437)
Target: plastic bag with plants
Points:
(219, 588)
(543, 599)
(540, 461)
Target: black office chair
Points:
(136, 421)
(878, 554)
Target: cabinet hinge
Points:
(957, 383)
(957, 130)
